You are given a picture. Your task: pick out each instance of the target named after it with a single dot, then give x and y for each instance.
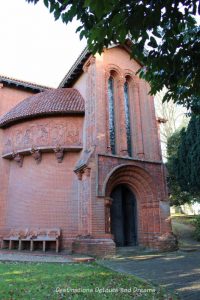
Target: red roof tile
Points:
(50, 102)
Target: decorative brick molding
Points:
(84, 170)
(44, 133)
(87, 171)
(108, 150)
(37, 155)
(18, 158)
(79, 174)
(83, 164)
(134, 176)
(130, 73)
(91, 60)
(108, 203)
(59, 152)
(113, 68)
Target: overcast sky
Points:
(33, 47)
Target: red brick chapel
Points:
(85, 157)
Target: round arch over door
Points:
(123, 213)
(142, 186)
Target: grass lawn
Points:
(56, 281)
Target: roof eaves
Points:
(75, 70)
(23, 84)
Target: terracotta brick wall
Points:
(43, 195)
(9, 97)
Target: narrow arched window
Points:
(127, 115)
(111, 114)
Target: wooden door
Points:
(123, 216)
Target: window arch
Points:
(111, 105)
(128, 115)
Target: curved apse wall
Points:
(44, 193)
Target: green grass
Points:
(51, 281)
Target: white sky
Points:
(33, 47)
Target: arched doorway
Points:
(123, 213)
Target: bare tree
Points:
(171, 117)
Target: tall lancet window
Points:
(111, 114)
(127, 115)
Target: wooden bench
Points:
(32, 235)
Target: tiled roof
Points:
(23, 84)
(51, 102)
